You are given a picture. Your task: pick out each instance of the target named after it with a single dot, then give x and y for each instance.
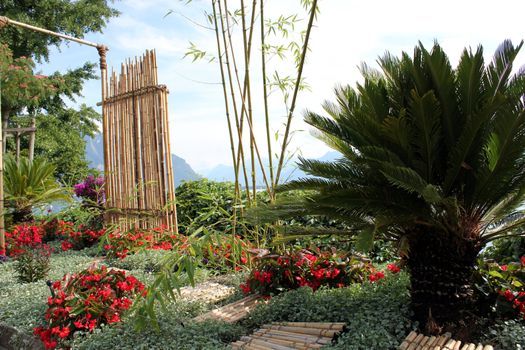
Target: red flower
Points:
(508, 295)
(503, 267)
(376, 276)
(245, 288)
(335, 272)
(522, 260)
(393, 268)
(66, 245)
(64, 332)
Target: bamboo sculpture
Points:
(138, 169)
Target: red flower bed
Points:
(22, 238)
(86, 300)
(218, 251)
(276, 273)
(120, 243)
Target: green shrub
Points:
(204, 203)
(506, 335)
(506, 250)
(503, 287)
(88, 216)
(33, 263)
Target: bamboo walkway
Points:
(233, 312)
(291, 336)
(415, 341)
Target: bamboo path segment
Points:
(233, 312)
(291, 336)
(415, 341)
(137, 156)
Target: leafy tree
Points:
(75, 18)
(29, 184)
(68, 17)
(432, 157)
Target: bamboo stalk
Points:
(295, 336)
(247, 53)
(238, 119)
(308, 331)
(288, 342)
(319, 325)
(265, 344)
(296, 90)
(265, 100)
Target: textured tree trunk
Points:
(441, 267)
(23, 215)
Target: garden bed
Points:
(375, 311)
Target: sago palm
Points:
(432, 157)
(29, 184)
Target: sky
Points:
(346, 33)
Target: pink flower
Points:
(523, 260)
(503, 267)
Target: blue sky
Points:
(347, 33)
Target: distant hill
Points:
(290, 172)
(182, 171)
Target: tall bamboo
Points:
(248, 97)
(265, 100)
(240, 158)
(295, 92)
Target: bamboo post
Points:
(32, 137)
(2, 228)
(17, 142)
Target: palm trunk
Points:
(23, 215)
(441, 269)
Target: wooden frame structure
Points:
(140, 192)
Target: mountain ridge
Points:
(182, 171)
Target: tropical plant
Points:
(28, 184)
(432, 157)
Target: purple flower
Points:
(91, 189)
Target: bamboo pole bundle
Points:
(416, 341)
(294, 336)
(140, 189)
(233, 312)
(269, 333)
(303, 330)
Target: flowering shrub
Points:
(218, 251)
(22, 238)
(81, 238)
(274, 274)
(86, 300)
(508, 281)
(225, 252)
(91, 190)
(122, 243)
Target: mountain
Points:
(290, 171)
(182, 171)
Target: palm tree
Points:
(432, 157)
(28, 184)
